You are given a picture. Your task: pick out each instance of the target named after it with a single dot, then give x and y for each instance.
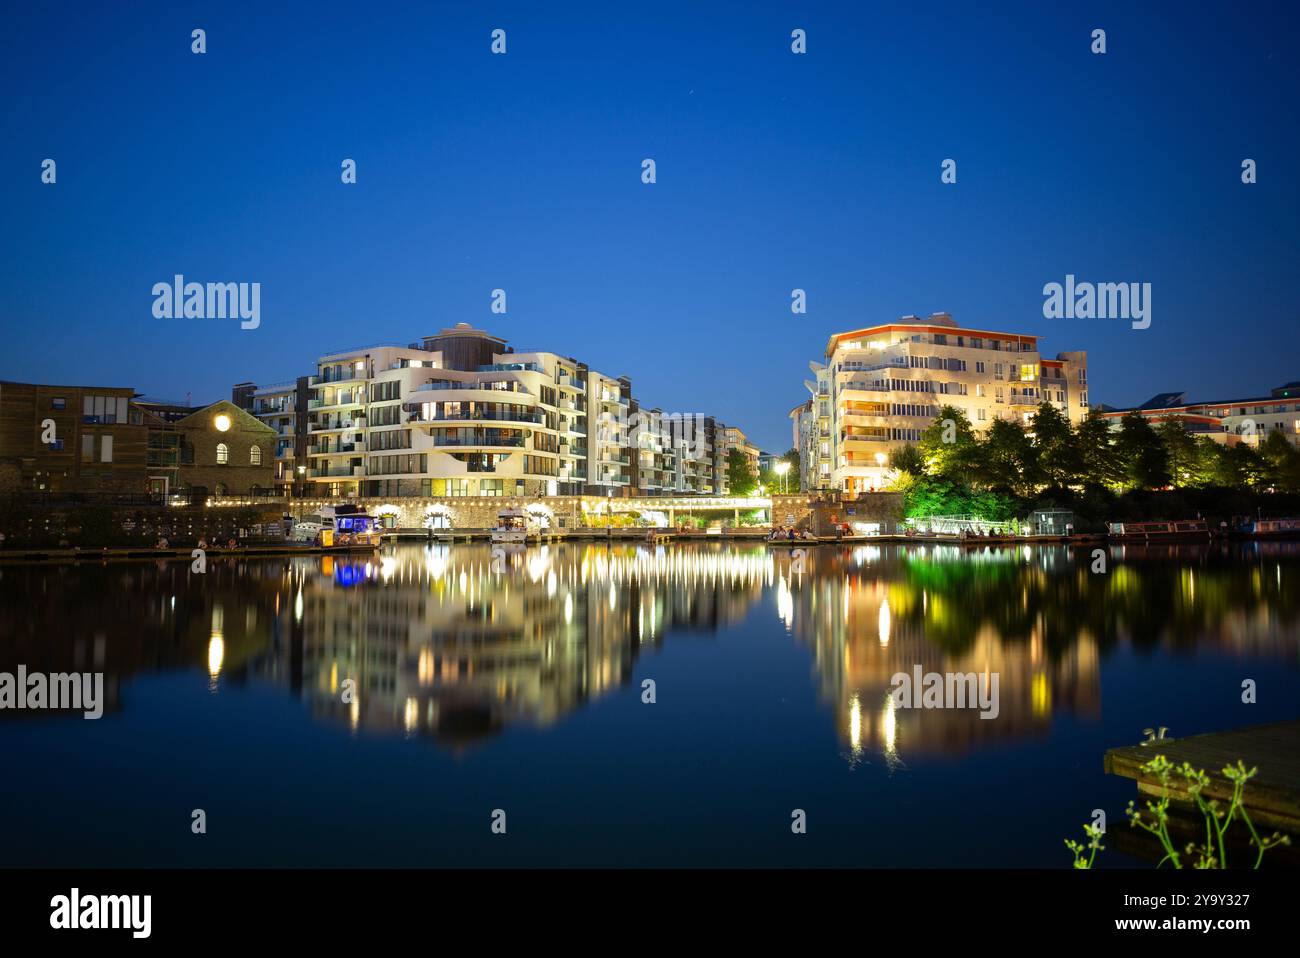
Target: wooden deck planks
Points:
(1272, 797)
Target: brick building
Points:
(71, 439)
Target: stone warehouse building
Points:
(104, 441)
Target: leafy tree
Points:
(1141, 453)
(1007, 458)
(1180, 448)
(740, 478)
(1096, 444)
(1280, 461)
(950, 446)
(907, 459)
(1059, 459)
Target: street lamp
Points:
(880, 464)
(781, 469)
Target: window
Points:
(979, 389)
(88, 448)
(106, 449)
(981, 416)
(58, 402)
(255, 456)
(223, 454)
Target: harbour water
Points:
(621, 704)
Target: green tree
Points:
(1096, 444)
(1280, 461)
(1180, 448)
(740, 478)
(1007, 459)
(950, 447)
(1141, 453)
(907, 459)
(1059, 459)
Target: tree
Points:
(1141, 453)
(1007, 459)
(1059, 460)
(740, 478)
(1096, 444)
(950, 447)
(907, 459)
(1280, 461)
(1180, 450)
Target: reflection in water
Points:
(456, 643)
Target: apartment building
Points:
(283, 407)
(1226, 421)
(461, 413)
(883, 385)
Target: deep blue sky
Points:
(522, 171)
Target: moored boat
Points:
(512, 526)
(1288, 528)
(1147, 531)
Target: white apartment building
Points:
(883, 385)
(1226, 421)
(462, 414)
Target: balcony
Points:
(337, 425)
(336, 472)
(509, 442)
(511, 368)
(439, 384)
(349, 374)
(325, 449)
(532, 418)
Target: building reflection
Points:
(1040, 619)
(458, 642)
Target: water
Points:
(514, 680)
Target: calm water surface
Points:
(514, 681)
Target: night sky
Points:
(523, 172)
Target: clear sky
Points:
(523, 172)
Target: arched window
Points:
(255, 456)
(223, 454)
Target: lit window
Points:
(255, 456)
(223, 454)
(221, 422)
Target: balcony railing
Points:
(533, 418)
(516, 442)
(511, 368)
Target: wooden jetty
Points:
(1271, 798)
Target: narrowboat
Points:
(1186, 529)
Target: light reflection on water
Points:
(453, 647)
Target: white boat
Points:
(512, 526)
(338, 525)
